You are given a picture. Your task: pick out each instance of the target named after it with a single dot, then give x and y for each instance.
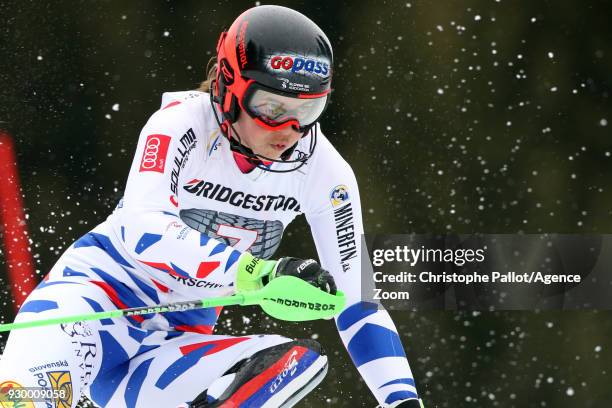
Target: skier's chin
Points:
(270, 152)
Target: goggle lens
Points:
(274, 110)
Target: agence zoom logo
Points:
(155, 152)
(297, 64)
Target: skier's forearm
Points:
(375, 347)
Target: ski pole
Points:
(285, 298)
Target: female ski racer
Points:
(216, 178)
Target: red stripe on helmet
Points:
(227, 50)
(229, 46)
(221, 40)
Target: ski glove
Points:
(255, 273)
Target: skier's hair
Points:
(211, 69)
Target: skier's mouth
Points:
(279, 146)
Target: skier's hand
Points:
(308, 270)
(254, 273)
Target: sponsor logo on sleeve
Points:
(345, 234)
(155, 152)
(339, 195)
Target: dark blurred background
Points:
(480, 116)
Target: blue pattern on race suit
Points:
(178, 234)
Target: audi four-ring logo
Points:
(150, 153)
(154, 155)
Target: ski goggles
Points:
(273, 110)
